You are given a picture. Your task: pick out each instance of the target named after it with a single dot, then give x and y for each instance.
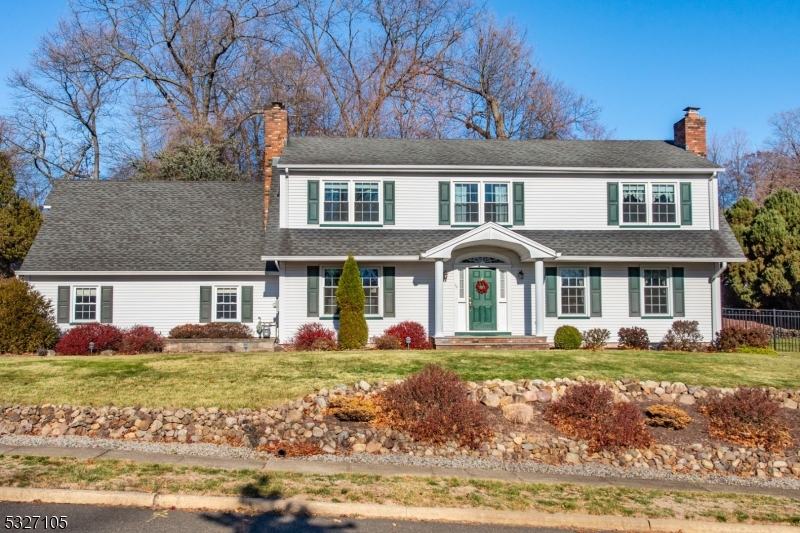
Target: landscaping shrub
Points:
(684, 336)
(596, 339)
(587, 411)
(409, 328)
(321, 344)
(211, 330)
(76, 340)
(633, 339)
(748, 417)
(518, 413)
(352, 409)
(667, 416)
(729, 338)
(307, 334)
(432, 406)
(141, 339)
(567, 338)
(353, 331)
(388, 342)
(26, 318)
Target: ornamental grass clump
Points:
(432, 406)
(353, 409)
(353, 332)
(587, 411)
(667, 416)
(748, 417)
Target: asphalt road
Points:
(92, 519)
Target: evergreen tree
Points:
(770, 237)
(26, 318)
(188, 162)
(353, 330)
(19, 221)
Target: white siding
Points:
(551, 202)
(163, 302)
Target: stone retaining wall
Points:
(303, 422)
(218, 345)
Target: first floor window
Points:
(369, 280)
(85, 303)
(336, 208)
(227, 303)
(366, 208)
(663, 203)
(495, 202)
(634, 204)
(466, 203)
(573, 291)
(330, 284)
(656, 294)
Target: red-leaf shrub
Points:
(729, 338)
(432, 406)
(76, 340)
(633, 339)
(748, 416)
(308, 333)
(588, 412)
(141, 339)
(409, 328)
(211, 330)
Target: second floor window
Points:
(466, 203)
(664, 203)
(337, 202)
(495, 203)
(634, 204)
(366, 208)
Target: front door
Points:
(482, 299)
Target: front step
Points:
(490, 342)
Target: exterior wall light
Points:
(520, 274)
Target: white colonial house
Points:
(488, 242)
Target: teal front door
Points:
(482, 305)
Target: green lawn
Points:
(255, 380)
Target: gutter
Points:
(504, 169)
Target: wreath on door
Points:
(482, 286)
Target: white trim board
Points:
(140, 273)
(457, 169)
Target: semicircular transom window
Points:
(482, 260)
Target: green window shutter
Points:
(678, 298)
(596, 293)
(205, 304)
(313, 202)
(613, 204)
(550, 291)
(388, 203)
(686, 204)
(388, 291)
(247, 304)
(444, 203)
(312, 293)
(106, 305)
(519, 203)
(62, 310)
(634, 300)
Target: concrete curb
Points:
(369, 510)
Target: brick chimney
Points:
(690, 132)
(276, 131)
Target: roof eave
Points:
(504, 169)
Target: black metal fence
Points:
(784, 326)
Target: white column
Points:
(539, 280)
(438, 299)
(716, 304)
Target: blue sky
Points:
(642, 61)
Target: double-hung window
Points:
(495, 203)
(573, 291)
(466, 203)
(656, 291)
(366, 208)
(329, 284)
(634, 203)
(85, 309)
(664, 211)
(370, 281)
(227, 303)
(337, 203)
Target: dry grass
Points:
(48, 472)
(255, 380)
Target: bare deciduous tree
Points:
(733, 152)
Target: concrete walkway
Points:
(331, 468)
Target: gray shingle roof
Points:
(151, 226)
(491, 153)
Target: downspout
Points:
(719, 272)
(716, 299)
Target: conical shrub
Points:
(353, 330)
